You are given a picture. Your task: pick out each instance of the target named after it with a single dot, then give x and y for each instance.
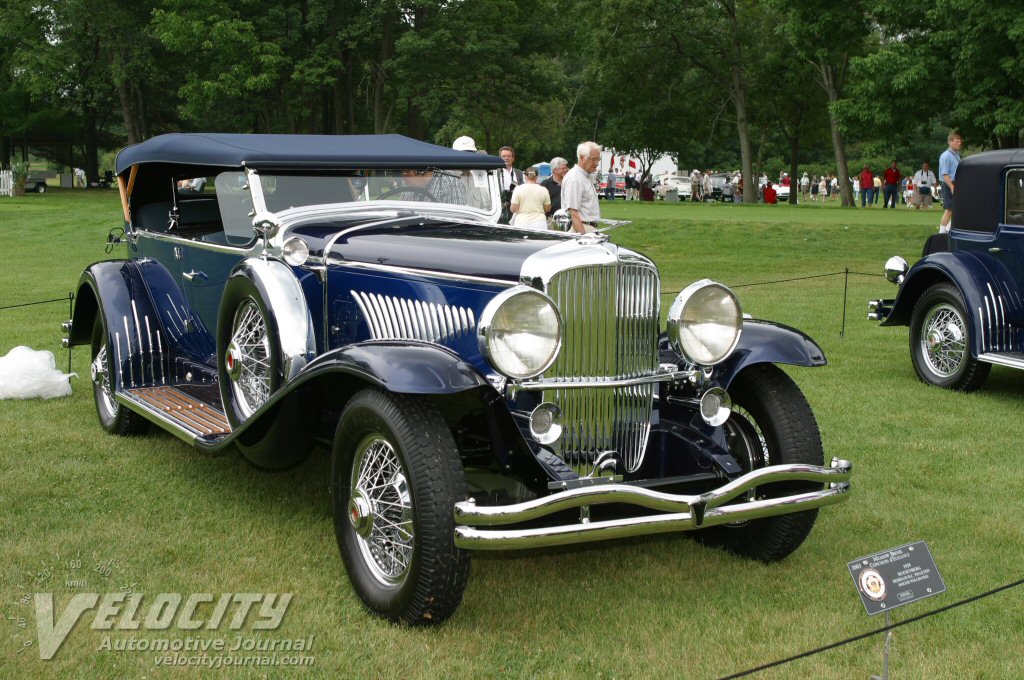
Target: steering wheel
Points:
(413, 190)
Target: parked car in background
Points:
(478, 386)
(680, 183)
(36, 184)
(962, 300)
(620, 186)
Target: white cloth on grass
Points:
(26, 373)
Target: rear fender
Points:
(145, 316)
(992, 296)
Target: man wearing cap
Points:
(473, 181)
(579, 196)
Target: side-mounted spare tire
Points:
(250, 371)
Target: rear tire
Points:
(395, 479)
(771, 424)
(114, 417)
(940, 341)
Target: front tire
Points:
(114, 417)
(395, 478)
(940, 341)
(771, 424)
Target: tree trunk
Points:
(124, 96)
(832, 89)
(92, 152)
(739, 98)
(794, 167)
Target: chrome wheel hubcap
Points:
(944, 340)
(247, 359)
(380, 510)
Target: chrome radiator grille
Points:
(610, 316)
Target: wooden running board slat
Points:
(183, 409)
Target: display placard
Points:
(895, 577)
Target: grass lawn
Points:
(86, 512)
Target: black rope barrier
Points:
(877, 631)
(29, 304)
(70, 299)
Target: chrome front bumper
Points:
(678, 512)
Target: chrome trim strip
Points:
(427, 273)
(254, 250)
(1012, 361)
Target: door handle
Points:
(189, 276)
(995, 250)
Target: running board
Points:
(1011, 359)
(177, 411)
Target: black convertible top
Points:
(979, 179)
(342, 152)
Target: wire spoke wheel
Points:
(381, 510)
(940, 341)
(395, 478)
(943, 343)
(251, 382)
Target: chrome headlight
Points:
(895, 269)
(520, 332)
(704, 323)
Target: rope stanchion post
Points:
(846, 289)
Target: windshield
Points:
(461, 188)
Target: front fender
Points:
(992, 296)
(765, 342)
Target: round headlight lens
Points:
(704, 323)
(520, 332)
(295, 252)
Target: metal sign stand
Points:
(885, 652)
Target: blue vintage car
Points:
(482, 387)
(962, 299)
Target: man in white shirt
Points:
(924, 180)
(579, 197)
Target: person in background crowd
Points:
(815, 188)
(476, 191)
(876, 190)
(805, 185)
(508, 179)
(737, 195)
(696, 186)
(559, 166)
(609, 187)
(579, 195)
(833, 187)
(867, 187)
(948, 163)
(632, 187)
(530, 203)
(892, 186)
(706, 187)
(770, 195)
(908, 191)
(924, 181)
